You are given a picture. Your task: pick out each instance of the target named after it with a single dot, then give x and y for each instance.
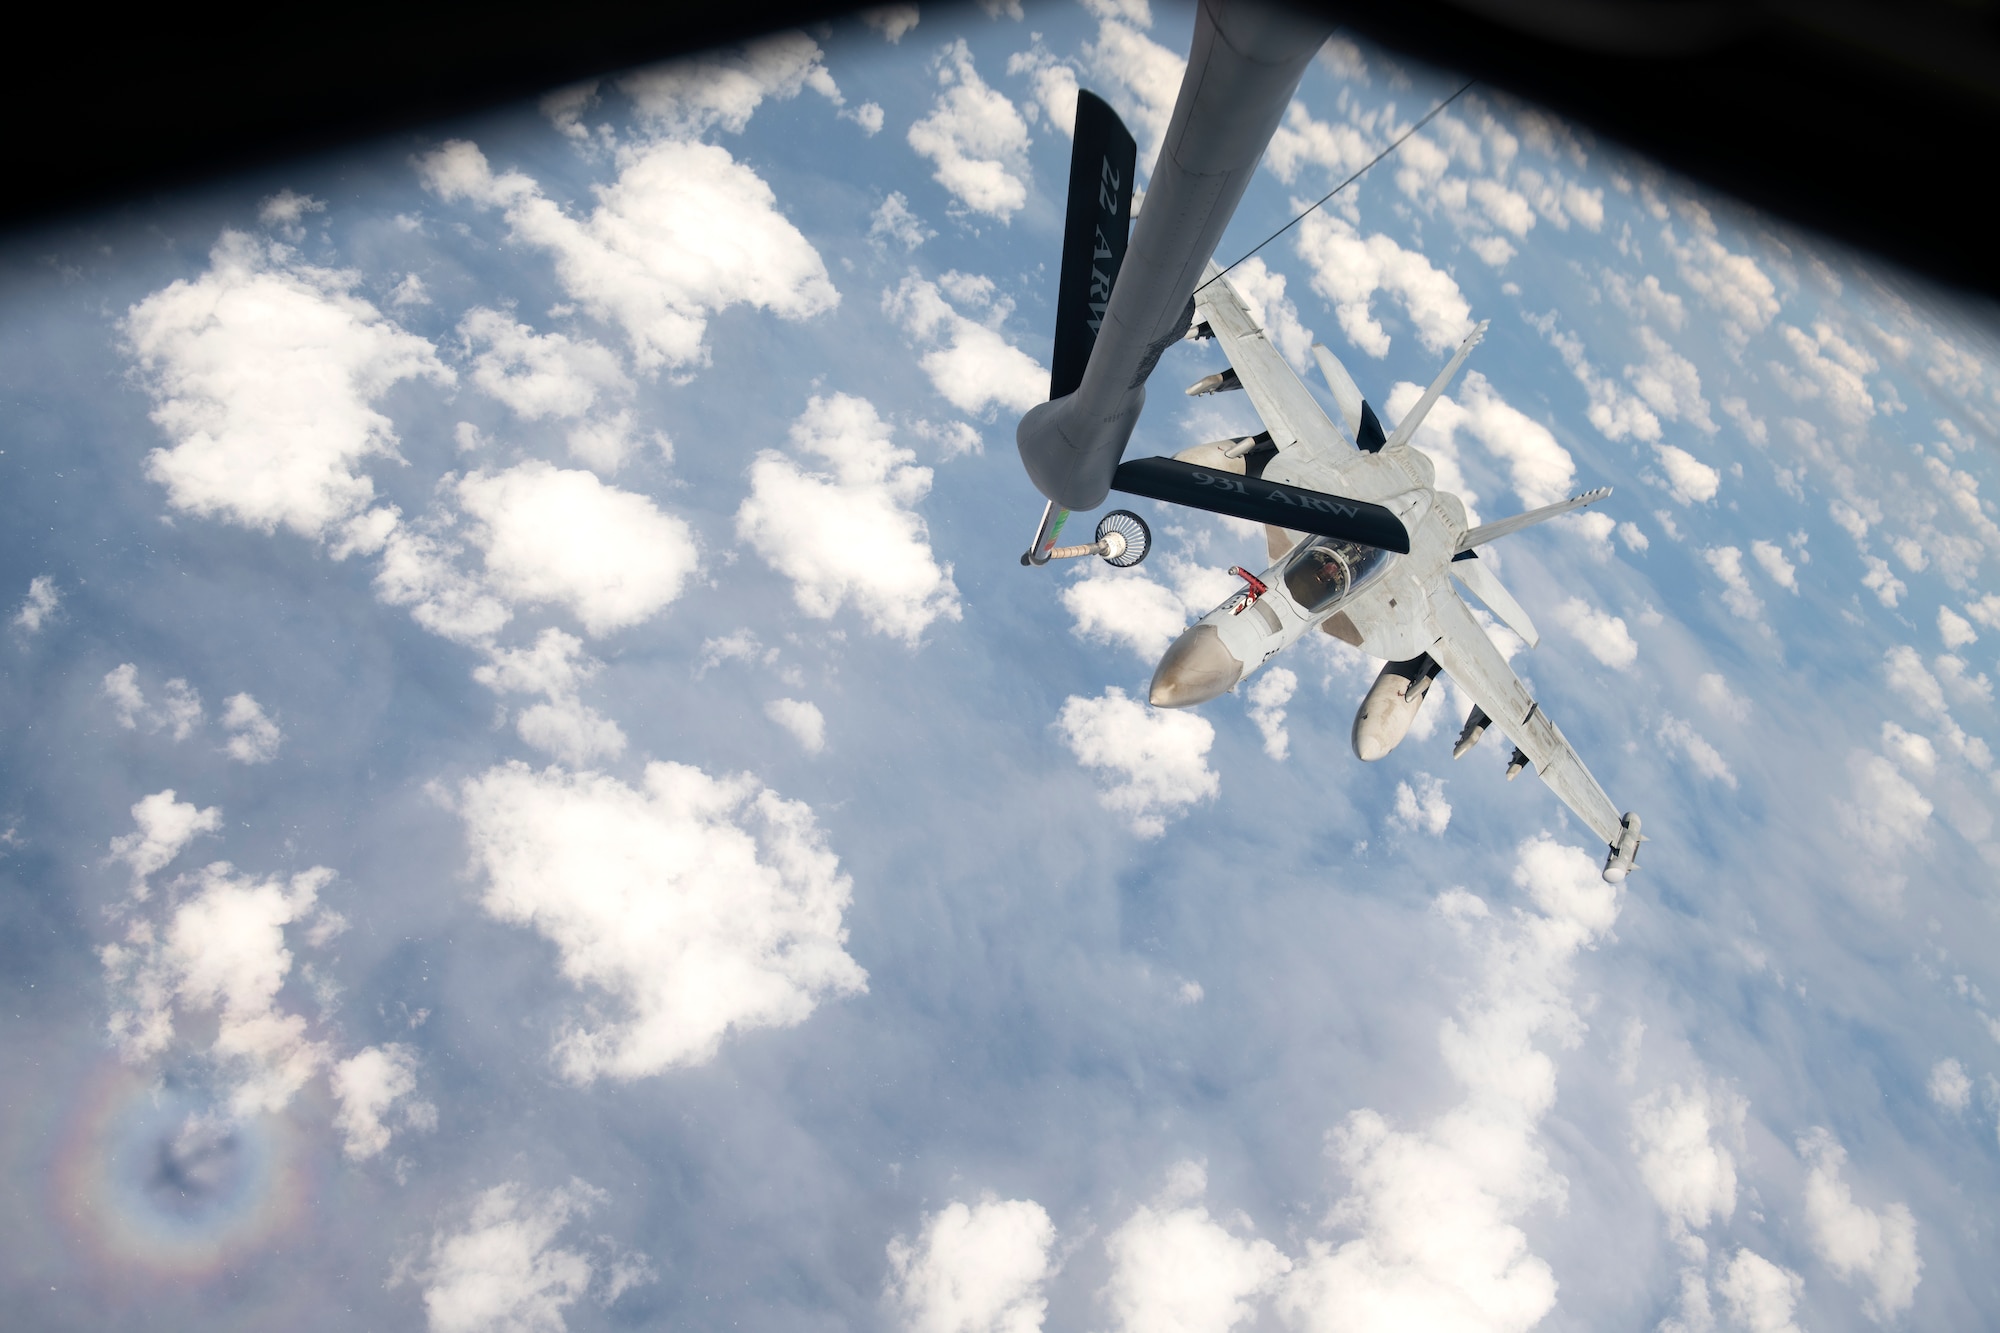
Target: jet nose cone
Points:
(1196, 669)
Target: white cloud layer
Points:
(694, 906)
(1761, 1295)
(505, 1269)
(1154, 760)
(264, 372)
(972, 366)
(253, 737)
(1602, 634)
(555, 536)
(1878, 1245)
(538, 375)
(975, 1269)
(1349, 270)
(684, 232)
(1422, 807)
(1435, 1206)
(802, 719)
(1175, 1269)
(165, 827)
(1268, 696)
(851, 536)
(1691, 1173)
(722, 89)
(975, 138)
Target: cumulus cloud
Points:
(1175, 1269)
(975, 138)
(1422, 807)
(690, 907)
(1829, 369)
(1910, 681)
(1949, 1087)
(1882, 581)
(801, 718)
(1268, 697)
(1263, 292)
(1691, 1175)
(1715, 694)
(1615, 412)
(975, 1269)
(1701, 756)
(892, 21)
(684, 232)
(165, 827)
(253, 737)
(1690, 480)
(221, 955)
(1602, 634)
(420, 570)
(1781, 571)
(1955, 629)
(1878, 1245)
(552, 536)
(1154, 760)
(538, 375)
(892, 220)
(723, 89)
(1761, 1295)
(507, 1266)
(178, 711)
(1125, 607)
(263, 373)
(563, 725)
(1729, 283)
(39, 605)
(368, 1085)
(970, 364)
(1668, 383)
(1435, 1206)
(851, 535)
(571, 731)
(1144, 77)
(1727, 564)
(1349, 270)
(1539, 469)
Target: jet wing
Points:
(1289, 411)
(1479, 669)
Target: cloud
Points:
(166, 827)
(1857, 1242)
(1669, 383)
(1955, 629)
(851, 536)
(1263, 292)
(1910, 681)
(1781, 571)
(977, 1269)
(684, 232)
(254, 737)
(179, 712)
(1435, 1205)
(693, 906)
(538, 375)
(684, 99)
(263, 373)
(39, 605)
(1125, 607)
(571, 731)
(1704, 757)
(1888, 589)
(1690, 1175)
(1147, 74)
(1761, 1295)
(1539, 469)
(367, 1085)
(1729, 283)
(1349, 271)
(892, 21)
(970, 364)
(504, 1271)
(1268, 697)
(803, 719)
(554, 536)
(1054, 85)
(420, 570)
(1715, 695)
(1155, 759)
(563, 725)
(1831, 369)
(1177, 1270)
(285, 210)
(1689, 479)
(1949, 1087)
(1727, 564)
(1422, 807)
(1912, 753)
(1614, 412)
(222, 955)
(892, 220)
(975, 138)
(1603, 635)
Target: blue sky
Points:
(537, 794)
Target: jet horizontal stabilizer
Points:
(1262, 501)
(1487, 532)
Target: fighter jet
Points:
(1362, 543)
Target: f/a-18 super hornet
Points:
(1363, 545)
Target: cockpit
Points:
(1325, 570)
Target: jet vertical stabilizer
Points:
(1095, 234)
(1243, 67)
(1414, 418)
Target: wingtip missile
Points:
(1624, 854)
